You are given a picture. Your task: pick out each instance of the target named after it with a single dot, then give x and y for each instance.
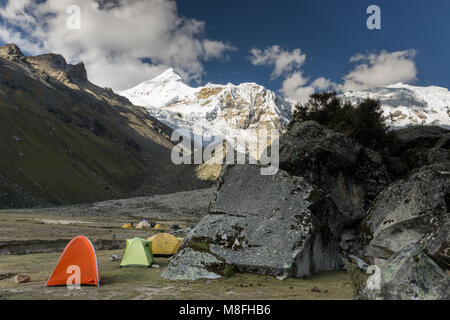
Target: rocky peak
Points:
(51, 59)
(169, 74)
(10, 50)
(78, 71)
(56, 67)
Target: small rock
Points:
(315, 289)
(22, 278)
(156, 266)
(114, 258)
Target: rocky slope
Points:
(405, 105)
(65, 140)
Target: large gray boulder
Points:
(411, 275)
(414, 210)
(280, 225)
(419, 136)
(350, 173)
(438, 155)
(418, 146)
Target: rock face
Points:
(190, 264)
(414, 210)
(10, 51)
(411, 275)
(419, 146)
(280, 225)
(290, 224)
(425, 136)
(350, 173)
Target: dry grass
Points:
(146, 283)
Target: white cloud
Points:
(372, 70)
(381, 69)
(294, 87)
(115, 39)
(282, 60)
(288, 64)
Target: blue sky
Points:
(328, 33)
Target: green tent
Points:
(138, 253)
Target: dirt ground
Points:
(32, 240)
(146, 283)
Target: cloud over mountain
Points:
(371, 70)
(288, 64)
(377, 70)
(122, 42)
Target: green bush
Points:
(228, 271)
(363, 122)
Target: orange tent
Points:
(78, 253)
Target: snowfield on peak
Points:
(237, 111)
(405, 105)
(226, 111)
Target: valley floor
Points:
(31, 241)
(146, 283)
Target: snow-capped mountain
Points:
(405, 105)
(231, 111)
(212, 110)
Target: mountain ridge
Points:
(66, 140)
(405, 105)
(178, 105)
(223, 109)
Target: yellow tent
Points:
(127, 226)
(158, 226)
(165, 244)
